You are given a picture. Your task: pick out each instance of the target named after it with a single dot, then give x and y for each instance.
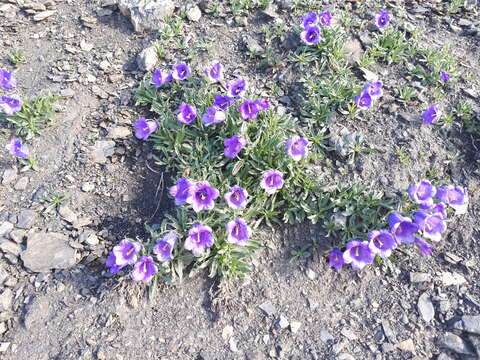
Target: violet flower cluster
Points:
(371, 91)
(311, 33)
(425, 226)
(9, 104)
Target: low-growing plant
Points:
(17, 57)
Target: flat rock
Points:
(455, 343)
(450, 279)
(353, 50)
(10, 247)
(194, 13)
(67, 214)
(6, 300)
(469, 323)
(43, 15)
(425, 307)
(26, 219)
(120, 132)
(147, 59)
(5, 228)
(101, 150)
(48, 251)
(9, 175)
(268, 308)
(37, 313)
(407, 345)
(146, 14)
(21, 184)
(416, 277)
(326, 337)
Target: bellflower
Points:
(180, 190)
(374, 89)
(297, 147)
(10, 104)
(17, 148)
(309, 20)
(238, 232)
(144, 128)
(214, 72)
(431, 115)
(422, 192)
(160, 78)
(358, 254)
(202, 196)
(382, 242)
(311, 35)
(424, 247)
(382, 19)
(431, 224)
(444, 76)
(236, 197)
(454, 196)
(335, 259)
(249, 110)
(200, 238)
(186, 114)
(110, 263)
(264, 104)
(237, 88)
(180, 71)
(144, 269)
(364, 100)
(126, 252)
(222, 102)
(402, 228)
(439, 209)
(272, 181)
(325, 18)
(213, 116)
(6, 80)
(233, 145)
(164, 247)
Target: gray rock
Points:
(444, 356)
(475, 341)
(67, 214)
(416, 277)
(286, 4)
(10, 247)
(147, 59)
(268, 308)
(311, 274)
(353, 50)
(455, 343)
(67, 93)
(89, 238)
(21, 184)
(345, 356)
(26, 219)
(4, 346)
(464, 22)
(194, 13)
(387, 347)
(17, 235)
(254, 355)
(43, 15)
(5, 228)
(326, 337)
(425, 307)
(3, 275)
(450, 279)
(295, 326)
(6, 300)
(47, 251)
(146, 14)
(407, 345)
(37, 313)
(120, 132)
(469, 323)
(9, 175)
(282, 322)
(389, 333)
(252, 45)
(101, 150)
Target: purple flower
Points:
(422, 192)
(311, 35)
(364, 100)
(264, 104)
(180, 191)
(358, 254)
(431, 115)
(214, 72)
(432, 225)
(222, 102)
(309, 20)
(164, 247)
(402, 228)
(439, 209)
(238, 232)
(444, 76)
(111, 264)
(144, 128)
(382, 242)
(199, 239)
(10, 104)
(455, 196)
(272, 181)
(233, 145)
(424, 247)
(17, 148)
(186, 113)
(236, 197)
(180, 71)
(160, 78)
(297, 147)
(374, 89)
(249, 110)
(213, 116)
(382, 19)
(126, 252)
(325, 18)
(144, 269)
(6, 80)
(335, 259)
(237, 88)
(202, 196)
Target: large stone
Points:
(469, 323)
(146, 14)
(147, 59)
(101, 150)
(10, 247)
(455, 343)
(47, 251)
(425, 307)
(9, 175)
(6, 300)
(26, 219)
(5, 228)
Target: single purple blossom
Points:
(202, 196)
(311, 35)
(325, 18)
(439, 209)
(110, 263)
(364, 100)
(236, 197)
(382, 243)
(402, 228)
(6, 80)
(264, 104)
(249, 110)
(186, 113)
(358, 254)
(180, 71)
(237, 88)
(213, 116)
(200, 238)
(238, 232)
(144, 128)
(272, 181)
(214, 72)
(444, 76)
(126, 252)
(222, 102)
(164, 247)
(144, 269)
(180, 190)
(17, 148)
(335, 259)
(233, 145)
(160, 78)
(10, 104)
(424, 247)
(382, 19)
(374, 89)
(454, 196)
(422, 192)
(431, 115)
(297, 147)
(431, 224)
(309, 20)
